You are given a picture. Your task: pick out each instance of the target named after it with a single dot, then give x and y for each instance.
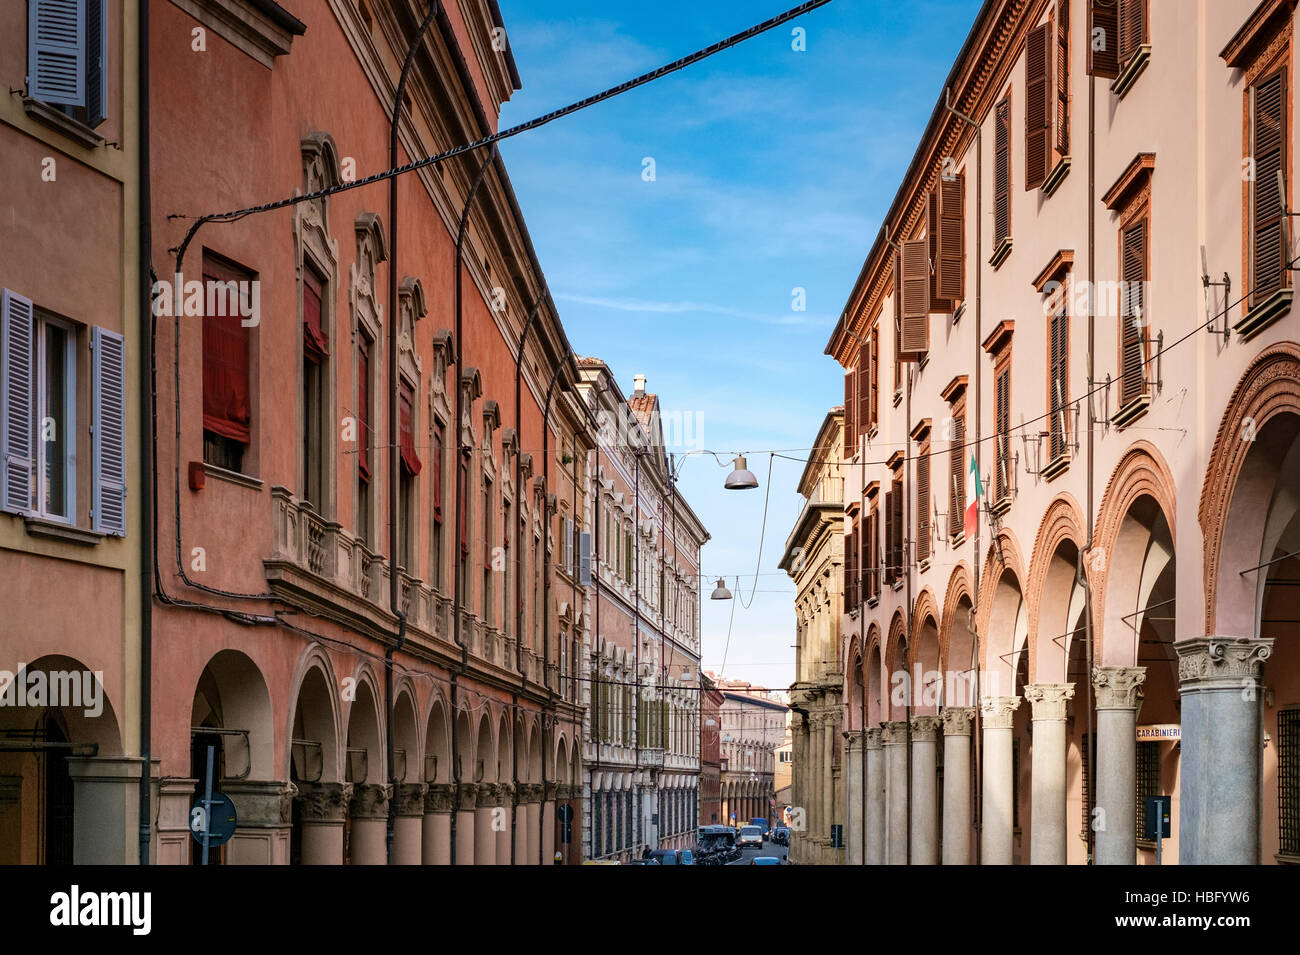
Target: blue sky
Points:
(772, 171)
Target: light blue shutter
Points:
(56, 51)
(584, 559)
(16, 403)
(108, 444)
(96, 61)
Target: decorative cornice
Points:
(997, 712)
(1118, 688)
(1270, 18)
(1216, 663)
(957, 720)
(954, 389)
(1134, 176)
(1000, 337)
(925, 729)
(1048, 701)
(1061, 262)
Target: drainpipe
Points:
(975, 417)
(394, 457)
(145, 385)
(1088, 759)
(546, 588)
(636, 613)
(908, 544)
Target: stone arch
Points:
(437, 766)
(874, 677)
(314, 717)
(1267, 390)
(485, 764)
(957, 639)
(231, 693)
(365, 731)
(1056, 598)
(406, 734)
(895, 663)
(505, 748)
(1003, 623)
(855, 695)
(924, 660)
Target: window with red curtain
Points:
(460, 508)
(363, 409)
(315, 340)
(226, 404)
(437, 474)
(410, 460)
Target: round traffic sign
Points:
(219, 822)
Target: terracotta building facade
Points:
(753, 726)
(1072, 404)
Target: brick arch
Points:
(1142, 471)
(1063, 521)
(959, 585)
(1270, 387)
(989, 578)
(872, 645)
(892, 659)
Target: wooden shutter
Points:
(363, 408)
(96, 62)
(898, 312)
(1057, 381)
(1132, 27)
(1002, 425)
(1062, 76)
(951, 265)
(933, 229)
(108, 439)
(888, 543)
(957, 478)
(16, 389)
(896, 533)
(1103, 38)
(849, 602)
(1002, 173)
(923, 502)
(916, 300)
(873, 408)
(1133, 262)
(850, 399)
(1040, 104)
(56, 51)
(1268, 133)
(862, 376)
(873, 553)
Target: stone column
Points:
(827, 782)
(895, 743)
(369, 810)
(323, 806)
(501, 822)
(956, 784)
(925, 808)
(465, 824)
(435, 842)
(1118, 696)
(997, 835)
(265, 811)
(1048, 703)
(408, 834)
(173, 842)
(532, 823)
(853, 795)
(813, 796)
(487, 824)
(548, 823)
(874, 801)
(106, 813)
(1220, 799)
(519, 824)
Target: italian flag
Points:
(974, 491)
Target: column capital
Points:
(410, 798)
(957, 720)
(894, 733)
(1210, 663)
(324, 802)
(439, 797)
(998, 711)
(925, 728)
(468, 795)
(370, 800)
(873, 737)
(1118, 688)
(856, 740)
(1048, 701)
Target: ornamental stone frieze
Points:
(1118, 688)
(925, 728)
(410, 798)
(324, 802)
(1209, 663)
(1049, 701)
(874, 738)
(439, 798)
(997, 712)
(370, 800)
(957, 720)
(894, 733)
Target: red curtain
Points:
(410, 459)
(226, 406)
(437, 474)
(315, 341)
(363, 409)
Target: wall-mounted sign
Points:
(1160, 733)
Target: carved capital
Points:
(996, 712)
(439, 798)
(1212, 663)
(894, 733)
(324, 802)
(855, 741)
(1048, 701)
(370, 800)
(874, 738)
(410, 799)
(1118, 688)
(468, 796)
(925, 728)
(957, 720)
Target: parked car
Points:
(766, 860)
(643, 862)
(781, 835)
(761, 823)
(750, 836)
(672, 856)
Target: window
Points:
(1058, 377)
(957, 472)
(67, 46)
(1002, 425)
(1001, 182)
(438, 466)
(1148, 783)
(365, 499)
(1047, 98)
(894, 531)
(923, 500)
(914, 322)
(487, 552)
(227, 411)
(851, 378)
(55, 419)
(1119, 40)
(873, 553)
(408, 467)
(539, 599)
(1288, 781)
(564, 665)
(1267, 112)
(950, 261)
(1062, 74)
(850, 567)
(506, 526)
(1134, 321)
(462, 530)
(315, 352)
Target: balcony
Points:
(652, 758)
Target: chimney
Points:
(638, 385)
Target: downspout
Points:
(145, 385)
(458, 360)
(1088, 759)
(546, 587)
(636, 615)
(394, 456)
(975, 417)
(907, 616)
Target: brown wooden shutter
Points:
(849, 601)
(1103, 38)
(864, 421)
(1268, 141)
(873, 372)
(1133, 264)
(1002, 173)
(870, 560)
(1057, 383)
(916, 300)
(898, 311)
(889, 537)
(1132, 27)
(938, 303)
(896, 520)
(951, 265)
(1002, 424)
(956, 478)
(1062, 74)
(1040, 104)
(850, 399)
(923, 502)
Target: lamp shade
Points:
(720, 592)
(741, 479)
